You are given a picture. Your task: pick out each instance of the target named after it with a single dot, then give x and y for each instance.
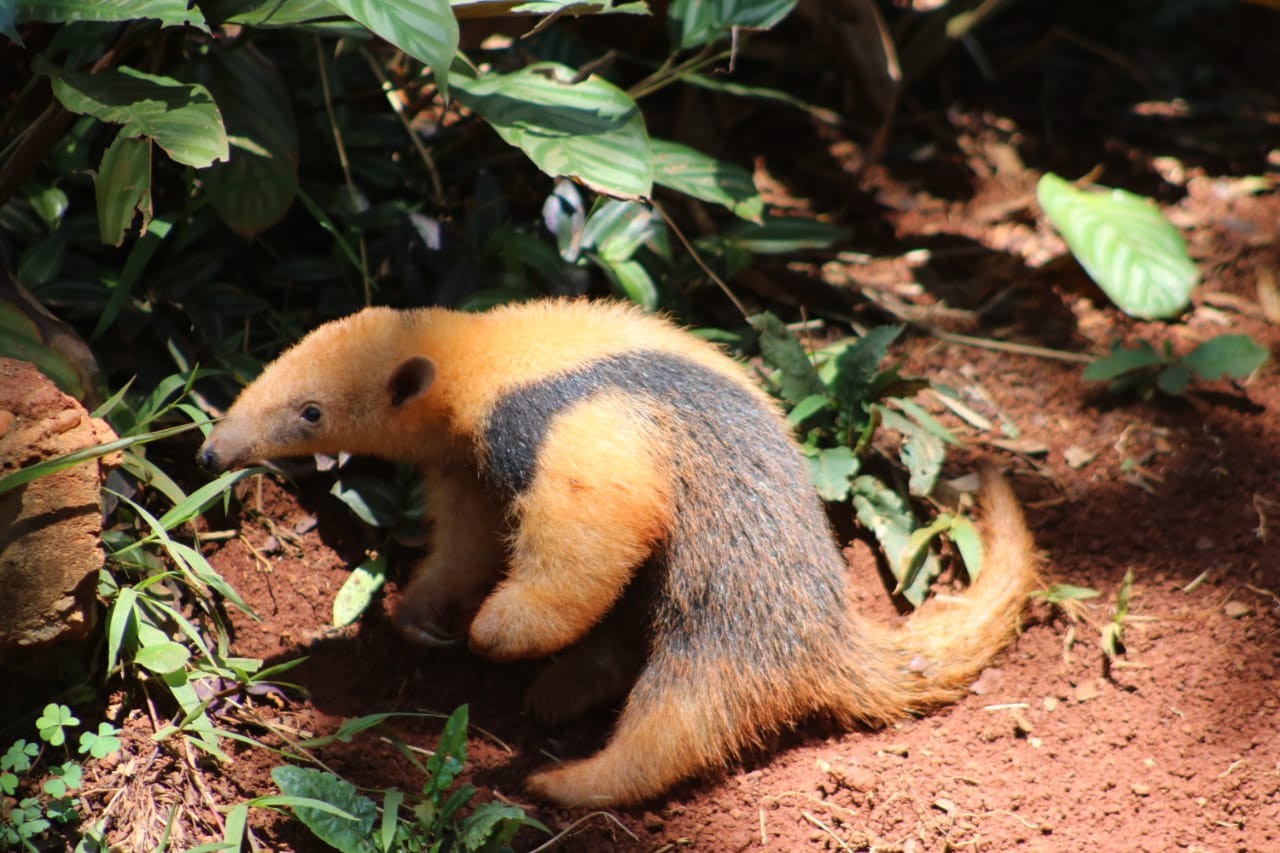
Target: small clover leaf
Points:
(54, 722)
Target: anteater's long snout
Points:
(208, 459)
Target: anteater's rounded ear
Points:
(410, 380)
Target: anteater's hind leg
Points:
(598, 671)
(598, 504)
(662, 736)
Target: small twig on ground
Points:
(573, 827)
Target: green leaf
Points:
(67, 776)
(42, 261)
(180, 117)
(1174, 379)
(913, 583)
(170, 13)
(782, 350)
(255, 188)
(617, 229)
(101, 743)
(1231, 356)
(374, 500)
(857, 368)
(830, 470)
(807, 408)
(693, 173)
(284, 13)
(502, 8)
(969, 543)
(19, 756)
(490, 827)
(49, 203)
(1125, 245)
(1122, 361)
(632, 280)
(692, 23)
(349, 835)
(53, 723)
(1065, 592)
(424, 29)
(391, 801)
(21, 340)
(922, 452)
(451, 752)
(358, 590)
(780, 236)
(589, 130)
(163, 658)
(122, 185)
(883, 511)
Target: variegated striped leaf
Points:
(285, 13)
(496, 8)
(692, 23)
(180, 117)
(691, 172)
(1125, 245)
(170, 13)
(424, 29)
(588, 130)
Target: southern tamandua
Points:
(576, 451)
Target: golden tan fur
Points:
(602, 484)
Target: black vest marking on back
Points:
(518, 424)
(749, 534)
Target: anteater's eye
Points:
(311, 413)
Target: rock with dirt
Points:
(50, 528)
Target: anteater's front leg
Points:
(599, 501)
(466, 560)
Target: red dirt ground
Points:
(1172, 746)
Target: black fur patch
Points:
(519, 422)
(751, 545)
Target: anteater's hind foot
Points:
(655, 745)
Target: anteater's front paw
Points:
(508, 628)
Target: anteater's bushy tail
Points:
(937, 653)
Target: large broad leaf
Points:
(424, 29)
(588, 130)
(122, 187)
(691, 172)
(495, 8)
(170, 13)
(691, 23)
(273, 13)
(254, 190)
(349, 836)
(180, 117)
(1134, 254)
